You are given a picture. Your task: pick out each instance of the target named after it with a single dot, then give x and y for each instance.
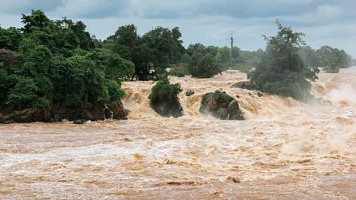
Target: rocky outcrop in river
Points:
(168, 108)
(244, 85)
(114, 110)
(221, 106)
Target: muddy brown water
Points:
(284, 150)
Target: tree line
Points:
(50, 63)
(329, 58)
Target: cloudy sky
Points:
(211, 22)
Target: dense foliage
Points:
(152, 53)
(282, 70)
(203, 61)
(56, 63)
(50, 63)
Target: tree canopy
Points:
(56, 63)
(203, 61)
(282, 70)
(151, 53)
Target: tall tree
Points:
(37, 20)
(282, 70)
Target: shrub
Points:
(164, 99)
(164, 91)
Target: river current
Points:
(284, 150)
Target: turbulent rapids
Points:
(285, 148)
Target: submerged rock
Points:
(189, 93)
(80, 121)
(221, 106)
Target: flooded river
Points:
(284, 150)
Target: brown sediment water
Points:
(284, 150)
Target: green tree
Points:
(130, 46)
(203, 62)
(125, 41)
(4, 77)
(37, 61)
(23, 94)
(37, 20)
(333, 58)
(10, 38)
(166, 46)
(152, 53)
(116, 68)
(282, 70)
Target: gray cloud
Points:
(94, 9)
(211, 22)
(24, 6)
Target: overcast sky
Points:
(211, 22)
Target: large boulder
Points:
(26, 116)
(244, 85)
(168, 108)
(189, 93)
(221, 106)
(116, 110)
(164, 99)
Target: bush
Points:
(164, 91)
(164, 99)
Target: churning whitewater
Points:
(285, 148)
